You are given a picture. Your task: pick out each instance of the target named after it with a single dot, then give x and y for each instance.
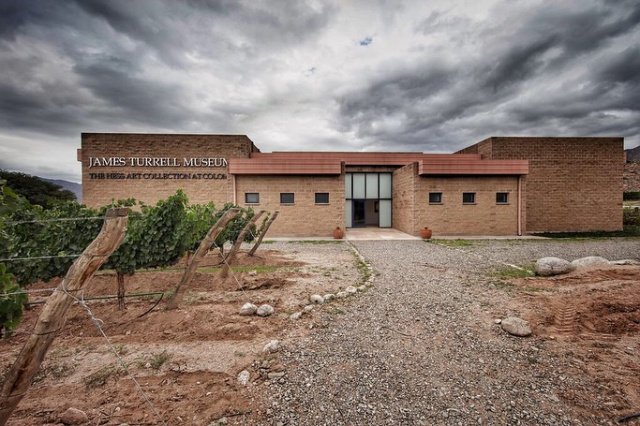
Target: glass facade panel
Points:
(372, 185)
(358, 185)
(347, 185)
(385, 214)
(385, 185)
(348, 215)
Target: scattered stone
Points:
(351, 289)
(275, 376)
(308, 308)
(317, 299)
(253, 273)
(295, 316)
(147, 365)
(264, 310)
(248, 309)
(328, 297)
(516, 326)
(272, 347)
(548, 266)
(625, 262)
(497, 321)
(73, 416)
(362, 288)
(590, 262)
(341, 294)
(243, 377)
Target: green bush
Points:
(631, 196)
(631, 216)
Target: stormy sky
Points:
(294, 75)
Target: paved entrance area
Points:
(374, 233)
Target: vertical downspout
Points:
(235, 197)
(519, 205)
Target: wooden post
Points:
(204, 246)
(236, 245)
(262, 234)
(120, 279)
(54, 312)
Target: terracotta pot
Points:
(338, 233)
(425, 233)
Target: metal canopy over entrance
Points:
(367, 199)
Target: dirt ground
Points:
(595, 315)
(186, 361)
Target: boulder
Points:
(516, 326)
(590, 262)
(264, 310)
(328, 297)
(243, 377)
(295, 316)
(317, 299)
(73, 416)
(351, 289)
(272, 347)
(548, 266)
(341, 294)
(248, 309)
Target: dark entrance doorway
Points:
(358, 213)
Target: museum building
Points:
(499, 186)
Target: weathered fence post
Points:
(54, 312)
(236, 245)
(262, 234)
(204, 246)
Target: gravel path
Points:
(421, 346)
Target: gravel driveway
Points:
(421, 346)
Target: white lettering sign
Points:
(157, 162)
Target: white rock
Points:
(516, 326)
(295, 316)
(264, 310)
(248, 309)
(317, 299)
(341, 294)
(328, 297)
(351, 289)
(497, 321)
(548, 266)
(625, 262)
(362, 288)
(73, 416)
(308, 308)
(243, 377)
(590, 262)
(253, 273)
(272, 346)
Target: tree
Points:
(36, 190)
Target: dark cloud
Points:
(295, 74)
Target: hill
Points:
(76, 188)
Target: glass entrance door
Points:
(367, 199)
(359, 216)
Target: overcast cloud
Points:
(345, 75)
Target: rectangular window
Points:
(468, 198)
(322, 198)
(435, 198)
(502, 198)
(286, 198)
(252, 197)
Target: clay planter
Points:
(338, 233)
(425, 233)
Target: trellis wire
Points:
(13, 259)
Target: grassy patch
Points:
(629, 231)
(102, 376)
(364, 270)
(508, 272)
(451, 243)
(154, 361)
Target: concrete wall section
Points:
(303, 217)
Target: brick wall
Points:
(98, 192)
(403, 203)
(574, 184)
(452, 217)
(631, 180)
(304, 217)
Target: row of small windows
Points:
(285, 198)
(468, 198)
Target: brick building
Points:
(499, 186)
